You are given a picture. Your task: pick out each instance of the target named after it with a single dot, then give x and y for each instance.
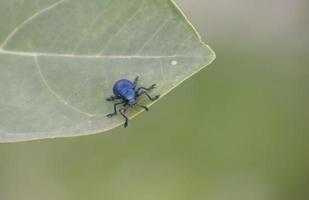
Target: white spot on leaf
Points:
(174, 62)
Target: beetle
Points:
(128, 93)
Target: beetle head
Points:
(132, 102)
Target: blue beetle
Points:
(125, 91)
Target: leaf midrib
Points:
(34, 54)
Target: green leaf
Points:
(60, 59)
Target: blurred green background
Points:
(238, 130)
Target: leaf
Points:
(60, 59)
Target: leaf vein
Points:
(56, 55)
(38, 13)
(58, 97)
(121, 28)
(160, 28)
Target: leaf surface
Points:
(59, 60)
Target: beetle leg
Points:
(135, 81)
(112, 98)
(115, 110)
(149, 97)
(145, 107)
(122, 111)
(147, 89)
